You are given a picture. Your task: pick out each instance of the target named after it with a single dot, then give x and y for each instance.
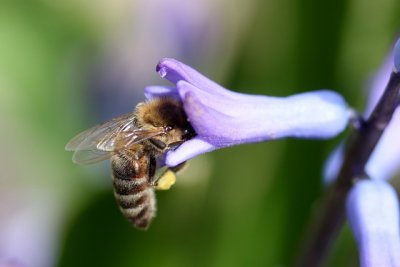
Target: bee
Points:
(136, 143)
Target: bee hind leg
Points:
(178, 167)
(168, 177)
(166, 180)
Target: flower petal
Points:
(175, 71)
(373, 212)
(226, 122)
(397, 55)
(333, 164)
(151, 92)
(224, 118)
(384, 161)
(378, 84)
(187, 150)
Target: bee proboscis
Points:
(137, 142)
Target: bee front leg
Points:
(174, 145)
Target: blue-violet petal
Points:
(373, 213)
(223, 118)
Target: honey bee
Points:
(137, 143)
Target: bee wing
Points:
(90, 138)
(98, 143)
(90, 156)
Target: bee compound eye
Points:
(187, 134)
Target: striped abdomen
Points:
(133, 192)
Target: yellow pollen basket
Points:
(167, 180)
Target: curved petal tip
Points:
(373, 212)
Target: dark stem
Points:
(330, 216)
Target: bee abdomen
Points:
(136, 200)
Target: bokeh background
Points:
(68, 65)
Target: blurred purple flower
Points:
(10, 263)
(191, 30)
(29, 228)
(372, 205)
(396, 56)
(223, 118)
(384, 162)
(373, 212)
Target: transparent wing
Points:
(91, 138)
(98, 143)
(90, 156)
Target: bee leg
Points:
(178, 167)
(168, 177)
(165, 180)
(175, 145)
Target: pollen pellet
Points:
(167, 180)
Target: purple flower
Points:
(396, 56)
(384, 162)
(29, 229)
(11, 263)
(372, 205)
(223, 118)
(373, 212)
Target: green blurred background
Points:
(68, 65)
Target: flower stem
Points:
(330, 216)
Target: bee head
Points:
(168, 114)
